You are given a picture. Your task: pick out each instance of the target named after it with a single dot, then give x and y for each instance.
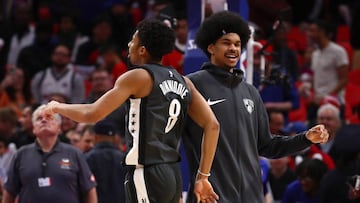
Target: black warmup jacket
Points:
(244, 136)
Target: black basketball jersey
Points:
(155, 122)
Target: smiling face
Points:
(225, 52)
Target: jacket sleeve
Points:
(276, 146)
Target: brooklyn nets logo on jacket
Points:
(249, 105)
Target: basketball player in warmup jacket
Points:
(244, 128)
(159, 99)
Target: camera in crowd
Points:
(278, 76)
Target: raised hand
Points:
(50, 107)
(318, 134)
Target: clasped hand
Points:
(318, 134)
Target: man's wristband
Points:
(204, 174)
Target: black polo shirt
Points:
(59, 176)
(105, 161)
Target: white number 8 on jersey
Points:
(174, 111)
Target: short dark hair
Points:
(156, 36)
(326, 26)
(219, 23)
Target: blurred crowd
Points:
(72, 51)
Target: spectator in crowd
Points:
(67, 125)
(330, 60)
(14, 92)
(8, 122)
(121, 23)
(37, 56)
(175, 59)
(74, 137)
(306, 188)
(88, 53)
(280, 176)
(282, 56)
(59, 78)
(7, 154)
(69, 35)
(23, 34)
(88, 10)
(244, 127)
(306, 94)
(341, 184)
(276, 122)
(44, 168)
(112, 61)
(276, 86)
(24, 135)
(87, 138)
(329, 116)
(105, 161)
(101, 82)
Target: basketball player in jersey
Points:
(159, 99)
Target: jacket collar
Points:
(230, 79)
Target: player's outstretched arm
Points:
(135, 83)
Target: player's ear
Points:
(142, 50)
(210, 49)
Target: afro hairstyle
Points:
(219, 24)
(156, 37)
